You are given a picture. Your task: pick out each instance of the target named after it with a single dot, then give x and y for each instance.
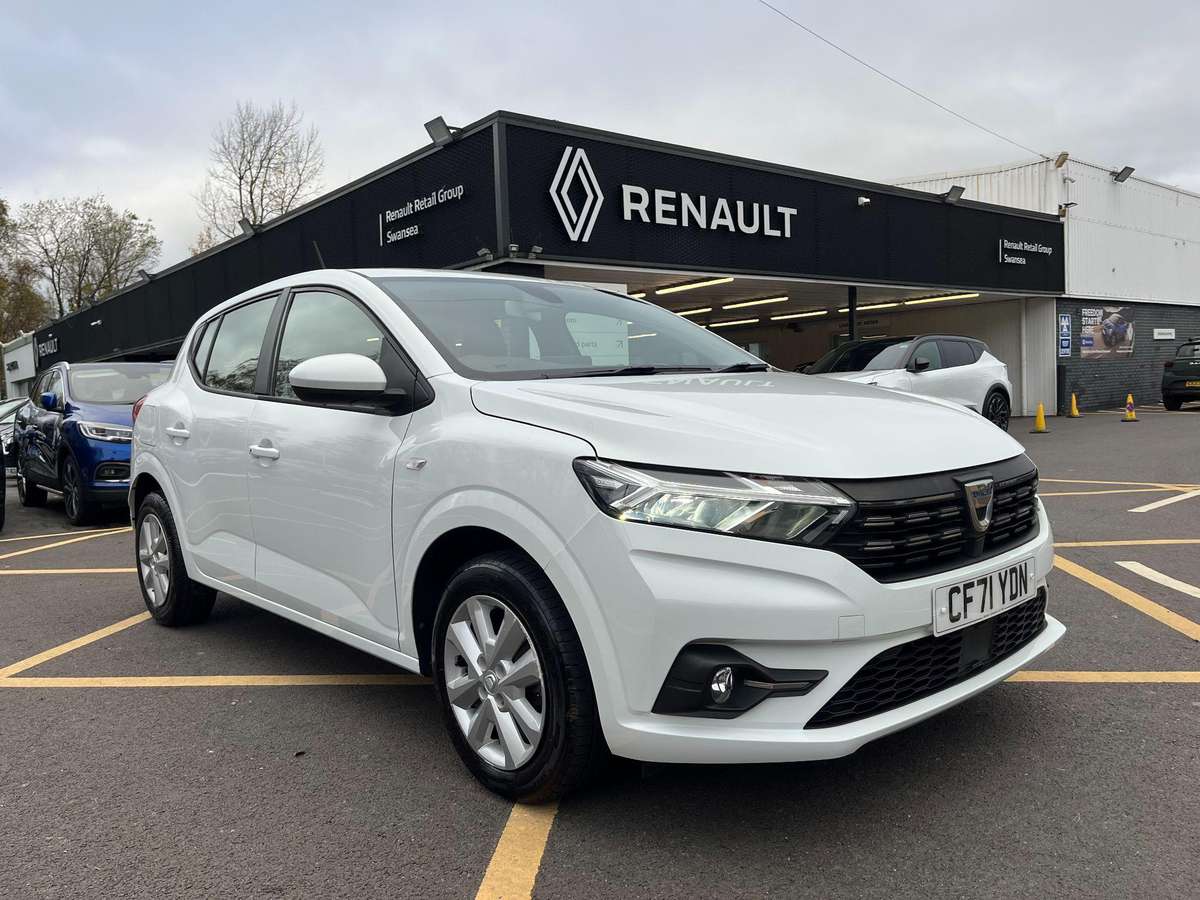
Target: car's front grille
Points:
(907, 528)
(908, 672)
(112, 471)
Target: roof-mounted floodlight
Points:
(954, 194)
(1061, 159)
(439, 132)
(144, 275)
(1123, 175)
(246, 226)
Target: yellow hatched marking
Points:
(54, 652)
(67, 571)
(1130, 598)
(518, 854)
(190, 681)
(75, 540)
(1107, 677)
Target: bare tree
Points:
(22, 308)
(264, 163)
(81, 248)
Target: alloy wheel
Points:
(997, 411)
(154, 560)
(494, 682)
(71, 490)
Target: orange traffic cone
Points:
(1075, 414)
(1130, 412)
(1039, 423)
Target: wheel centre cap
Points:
(489, 682)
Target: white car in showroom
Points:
(948, 366)
(598, 527)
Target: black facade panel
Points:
(821, 228)
(451, 226)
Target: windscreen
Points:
(1188, 351)
(854, 357)
(117, 383)
(499, 329)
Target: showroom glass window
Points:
(233, 362)
(498, 329)
(323, 322)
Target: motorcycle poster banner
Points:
(1106, 331)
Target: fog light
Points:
(721, 685)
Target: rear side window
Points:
(1188, 351)
(956, 353)
(233, 361)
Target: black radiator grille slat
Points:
(894, 537)
(908, 672)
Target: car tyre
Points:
(171, 597)
(1173, 404)
(79, 510)
(997, 409)
(28, 493)
(506, 597)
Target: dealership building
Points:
(782, 261)
(1132, 257)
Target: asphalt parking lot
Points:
(249, 757)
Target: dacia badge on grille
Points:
(980, 495)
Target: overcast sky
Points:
(122, 98)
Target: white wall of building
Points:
(19, 366)
(1137, 240)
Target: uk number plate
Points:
(964, 603)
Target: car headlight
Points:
(790, 510)
(102, 431)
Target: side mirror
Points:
(920, 364)
(49, 401)
(337, 378)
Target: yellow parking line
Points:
(1158, 484)
(34, 537)
(1131, 598)
(1147, 542)
(74, 540)
(518, 854)
(182, 681)
(1108, 677)
(1111, 491)
(67, 571)
(53, 652)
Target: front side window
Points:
(495, 329)
(319, 323)
(233, 360)
(119, 383)
(929, 350)
(54, 386)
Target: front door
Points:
(44, 432)
(320, 477)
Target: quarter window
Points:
(233, 362)
(203, 345)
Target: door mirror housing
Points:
(49, 401)
(920, 364)
(337, 378)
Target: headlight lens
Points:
(791, 510)
(102, 431)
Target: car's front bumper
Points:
(783, 607)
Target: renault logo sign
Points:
(574, 169)
(980, 497)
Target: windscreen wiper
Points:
(638, 370)
(745, 367)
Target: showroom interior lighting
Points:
(634, 337)
(944, 297)
(640, 295)
(692, 285)
(759, 302)
(732, 322)
(846, 309)
(694, 312)
(800, 315)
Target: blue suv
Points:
(73, 436)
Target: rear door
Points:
(321, 475)
(201, 440)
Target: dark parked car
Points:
(8, 419)
(73, 436)
(1181, 376)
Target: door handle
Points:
(263, 452)
(178, 431)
